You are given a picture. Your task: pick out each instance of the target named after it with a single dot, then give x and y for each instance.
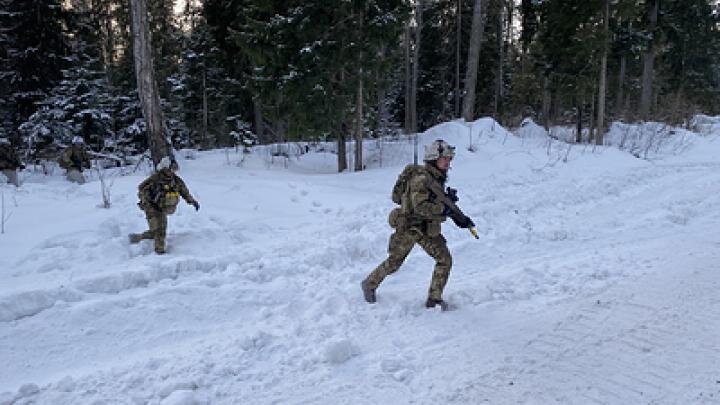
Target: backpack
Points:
(400, 189)
(163, 196)
(168, 198)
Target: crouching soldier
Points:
(158, 198)
(424, 205)
(9, 162)
(74, 159)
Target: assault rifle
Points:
(449, 198)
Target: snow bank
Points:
(589, 259)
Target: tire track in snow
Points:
(623, 348)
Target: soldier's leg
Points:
(437, 248)
(150, 216)
(75, 175)
(12, 177)
(401, 243)
(160, 225)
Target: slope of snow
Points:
(594, 281)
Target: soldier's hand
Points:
(196, 205)
(22, 166)
(446, 210)
(451, 193)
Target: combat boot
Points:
(368, 292)
(432, 302)
(135, 237)
(159, 247)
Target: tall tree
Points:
(458, 46)
(34, 47)
(415, 66)
(476, 38)
(147, 85)
(603, 75)
(82, 102)
(649, 60)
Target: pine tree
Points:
(199, 96)
(82, 102)
(33, 52)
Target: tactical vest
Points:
(164, 194)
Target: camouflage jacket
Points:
(151, 192)
(75, 157)
(8, 158)
(420, 208)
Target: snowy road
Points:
(595, 281)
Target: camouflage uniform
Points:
(418, 221)
(9, 163)
(152, 193)
(74, 159)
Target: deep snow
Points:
(594, 281)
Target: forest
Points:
(247, 72)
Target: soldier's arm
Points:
(87, 158)
(420, 198)
(183, 190)
(144, 187)
(64, 158)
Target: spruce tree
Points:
(33, 53)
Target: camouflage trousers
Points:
(157, 223)
(12, 177)
(75, 176)
(401, 243)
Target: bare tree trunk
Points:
(603, 77)
(205, 111)
(381, 92)
(621, 87)
(546, 103)
(649, 62)
(476, 37)
(556, 109)
(579, 126)
(415, 68)
(408, 80)
(591, 127)
(258, 118)
(342, 149)
(359, 124)
(501, 60)
(107, 37)
(147, 85)
(458, 47)
(382, 110)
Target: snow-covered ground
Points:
(594, 281)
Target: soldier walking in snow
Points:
(9, 162)
(424, 205)
(158, 198)
(74, 159)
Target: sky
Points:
(179, 5)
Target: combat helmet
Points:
(438, 149)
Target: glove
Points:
(451, 193)
(196, 205)
(22, 166)
(446, 210)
